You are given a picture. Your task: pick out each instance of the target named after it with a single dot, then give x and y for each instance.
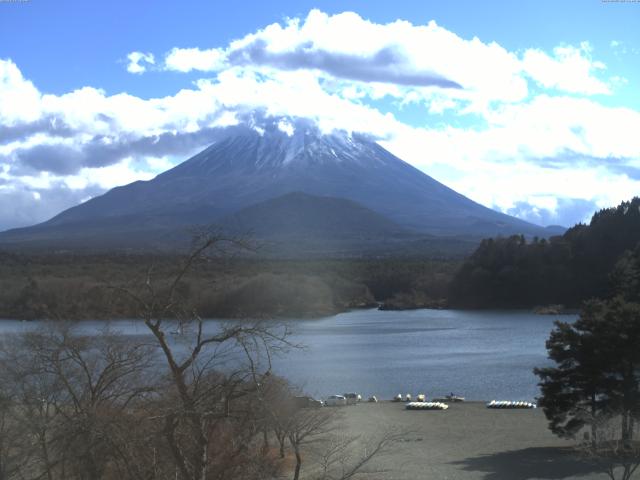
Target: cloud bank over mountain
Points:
(509, 129)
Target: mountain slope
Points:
(246, 166)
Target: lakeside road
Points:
(467, 441)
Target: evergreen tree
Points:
(625, 277)
(568, 269)
(597, 371)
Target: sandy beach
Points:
(466, 442)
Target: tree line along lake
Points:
(482, 355)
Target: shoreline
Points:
(313, 315)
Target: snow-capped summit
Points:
(279, 143)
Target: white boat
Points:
(352, 398)
(335, 401)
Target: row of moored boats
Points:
(439, 404)
(426, 406)
(421, 397)
(421, 403)
(510, 404)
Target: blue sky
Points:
(541, 123)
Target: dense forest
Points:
(595, 260)
(89, 286)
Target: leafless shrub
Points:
(342, 457)
(618, 457)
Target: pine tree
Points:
(597, 371)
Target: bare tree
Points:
(34, 397)
(13, 455)
(334, 454)
(278, 405)
(343, 457)
(618, 457)
(205, 401)
(305, 427)
(74, 397)
(316, 432)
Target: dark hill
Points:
(301, 215)
(301, 225)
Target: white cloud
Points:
(137, 62)
(158, 165)
(570, 69)
(107, 177)
(188, 59)
(620, 48)
(550, 147)
(21, 205)
(403, 60)
(550, 126)
(348, 46)
(19, 98)
(554, 210)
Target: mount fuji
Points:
(303, 183)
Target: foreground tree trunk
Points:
(296, 473)
(202, 399)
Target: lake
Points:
(482, 355)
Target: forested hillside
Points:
(595, 260)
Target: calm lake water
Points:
(480, 355)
